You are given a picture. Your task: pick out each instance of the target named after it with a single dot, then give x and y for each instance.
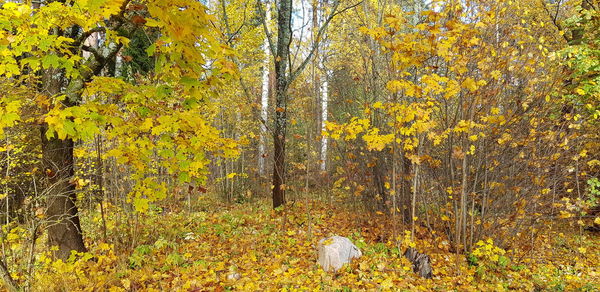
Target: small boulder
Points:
(336, 251)
(421, 263)
(234, 276)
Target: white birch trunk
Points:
(324, 101)
(264, 100)
(118, 65)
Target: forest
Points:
(300, 145)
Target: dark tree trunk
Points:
(279, 170)
(284, 38)
(406, 195)
(64, 230)
(283, 78)
(379, 175)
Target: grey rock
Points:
(234, 276)
(336, 251)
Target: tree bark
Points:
(324, 112)
(64, 230)
(284, 38)
(264, 100)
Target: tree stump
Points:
(421, 262)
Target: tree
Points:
(264, 99)
(284, 76)
(165, 115)
(462, 124)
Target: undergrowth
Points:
(250, 247)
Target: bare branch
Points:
(320, 34)
(268, 35)
(87, 34)
(9, 282)
(92, 50)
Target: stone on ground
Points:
(336, 251)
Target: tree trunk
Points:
(64, 230)
(282, 82)
(278, 170)
(284, 38)
(264, 100)
(324, 111)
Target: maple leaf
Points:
(470, 84)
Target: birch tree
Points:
(264, 99)
(324, 112)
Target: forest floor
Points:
(250, 247)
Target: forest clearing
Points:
(296, 145)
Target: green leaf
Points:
(184, 177)
(69, 128)
(50, 61)
(141, 204)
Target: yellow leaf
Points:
(471, 150)
(593, 163)
(469, 84)
(387, 283)
(565, 215)
(104, 246)
(146, 125)
(496, 74)
(126, 283)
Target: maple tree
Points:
(135, 137)
(165, 113)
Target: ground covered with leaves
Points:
(251, 247)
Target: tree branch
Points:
(268, 35)
(87, 34)
(320, 34)
(120, 20)
(92, 50)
